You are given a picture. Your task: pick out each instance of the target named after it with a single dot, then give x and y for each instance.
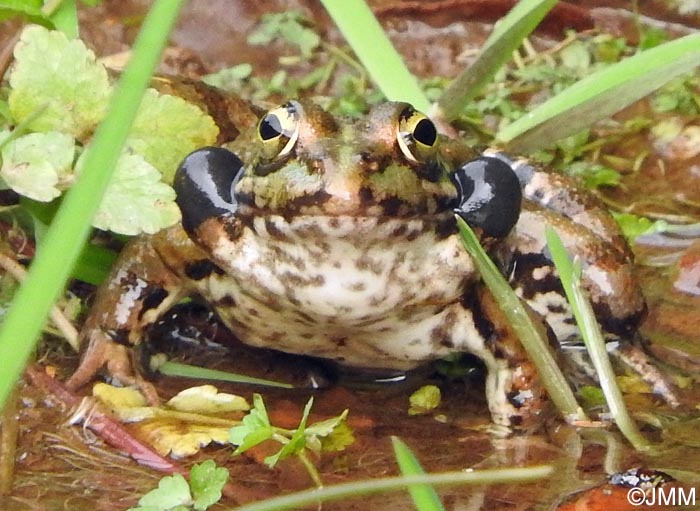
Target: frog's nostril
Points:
(489, 195)
(203, 184)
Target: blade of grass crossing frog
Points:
(535, 345)
(601, 94)
(64, 240)
(368, 40)
(507, 35)
(570, 275)
(424, 497)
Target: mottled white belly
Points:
(356, 290)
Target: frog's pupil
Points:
(425, 132)
(270, 127)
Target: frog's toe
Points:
(115, 358)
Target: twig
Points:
(59, 319)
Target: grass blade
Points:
(570, 275)
(535, 345)
(367, 39)
(372, 486)
(424, 497)
(65, 238)
(601, 94)
(188, 371)
(507, 35)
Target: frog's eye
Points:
(489, 195)
(279, 129)
(416, 135)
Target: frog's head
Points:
(301, 161)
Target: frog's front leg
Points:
(516, 397)
(139, 289)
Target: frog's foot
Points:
(516, 397)
(102, 352)
(640, 362)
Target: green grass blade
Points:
(64, 16)
(535, 345)
(601, 94)
(570, 273)
(64, 240)
(424, 497)
(372, 486)
(189, 371)
(371, 45)
(507, 35)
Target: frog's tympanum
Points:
(337, 238)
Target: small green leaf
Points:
(38, 165)
(206, 481)
(136, 200)
(60, 76)
(172, 491)
(296, 443)
(633, 225)
(290, 26)
(254, 429)
(341, 437)
(424, 400)
(167, 129)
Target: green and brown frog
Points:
(337, 238)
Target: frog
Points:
(337, 238)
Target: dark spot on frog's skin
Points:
(391, 206)
(289, 279)
(334, 223)
(339, 341)
(308, 335)
(314, 199)
(153, 298)
(414, 342)
(515, 420)
(446, 228)
(120, 336)
(430, 171)
(364, 263)
(225, 301)
(253, 312)
(303, 318)
(202, 268)
(358, 286)
(336, 264)
(233, 230)
(274, 231)
(556, 308)
(366, 196)
(515, 398)
(470, 301)
(400, 230)
(525, 265)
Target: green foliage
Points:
(633, 225)
(59, 92)
(290, 26)
(136, 200)
(167, 129)
(175, 494)
(329, 435)
(38, 165)
(60, 78)
(424, 400)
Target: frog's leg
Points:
(516, 397)
(590, 233)
(139, 289)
